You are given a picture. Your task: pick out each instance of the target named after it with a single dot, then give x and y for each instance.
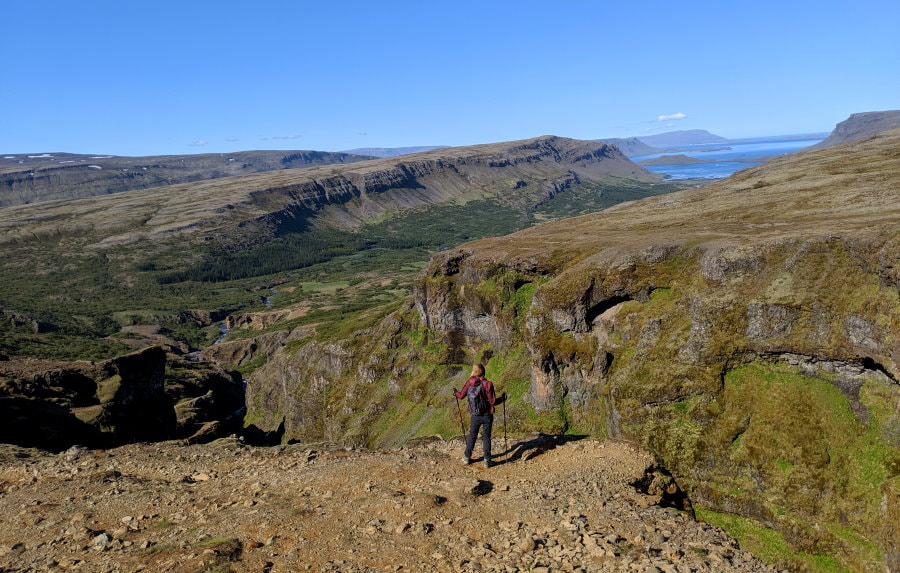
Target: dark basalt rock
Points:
(56, 405)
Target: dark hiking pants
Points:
(484, 422)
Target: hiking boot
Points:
(488, 463)
(465, 461)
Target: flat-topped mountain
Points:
(682, 137)
(745, 332)
(859, 126)
(34, 177)
(393, 151)
(521, 173)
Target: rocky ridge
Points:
(546, 506)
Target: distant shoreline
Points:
(685, 160)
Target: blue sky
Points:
(145, 78)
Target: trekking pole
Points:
(462, 426)
(505, 445)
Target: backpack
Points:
(478, 403)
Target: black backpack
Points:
(478, 403)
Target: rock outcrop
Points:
(746, 333)
(56, 405)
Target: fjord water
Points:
(739, 155)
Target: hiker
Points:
(479, 392)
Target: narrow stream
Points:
(225, 330)
(268, 300)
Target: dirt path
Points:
(228, 507)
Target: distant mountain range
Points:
(684, 137)
(264, 228)
(32, 177)
(392, 151)
(534, 169)
(645, 145)
(631, 146)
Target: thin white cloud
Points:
(232, 139)
(281, 137)
(198, 143)
(678, 115)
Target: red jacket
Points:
(486, 384)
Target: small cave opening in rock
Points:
(604, 305)
(870, 364)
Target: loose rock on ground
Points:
(226, 506)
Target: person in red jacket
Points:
(479, 392)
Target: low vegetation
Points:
(78, 302)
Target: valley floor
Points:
(229, 507)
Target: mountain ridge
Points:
(859, 126)
(253, 197)
(29, 178)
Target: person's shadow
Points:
(533, 447)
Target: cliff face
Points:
(859, 126)
(746, 332)
(535, 169)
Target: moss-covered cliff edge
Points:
(746, 332)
